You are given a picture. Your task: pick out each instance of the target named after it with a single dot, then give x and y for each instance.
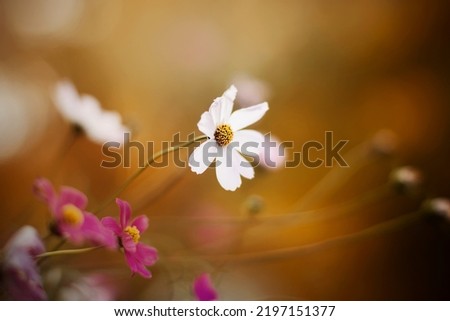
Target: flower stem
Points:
(142, 169)
(64, 252)
(297, 251)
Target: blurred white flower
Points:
(19, 273)
(227, 140)
(91, 287)
(251, 89)
(84, 111)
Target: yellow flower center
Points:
(133, 232)
(72, 215)
(223, 135)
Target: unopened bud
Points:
(406, 179)
(254, 205)
(438, 206)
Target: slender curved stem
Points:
(66, 252)
(297, 251)
(142, 169)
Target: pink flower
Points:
(19, 271)
(204, 289)
(71, 220)
(137, 255)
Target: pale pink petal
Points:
(246, 116)
(141, 223)
(228, 173)
(128, 244)
(136, 266)
(111, 224)
(95, 232)
(70, 195)
(203, 156)
(125, 212)
(250, 141)
(148, 255)
(44, 190)
(206, 124)
(204, 289)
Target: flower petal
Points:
(206, 124)
(204, 289)
(246, 116)
(136, 266)
(203, 156)
(222, 106)
(227, 171)
(111, 224)
(141, 223)
(70, 195)
(44, 190)
(125, 212)
(128, 243)
(96, 232)
(250, 141)
(148, 255)
(245, 168)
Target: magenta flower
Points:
(71, 220)
(137, 255)
(19, 271)
(204, 289)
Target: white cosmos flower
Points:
(227, 140)
(99, 125)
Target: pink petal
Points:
(128, 244)
(94, 231)
(141, 223)
(73, 234)
(70, 195)
(148, 255)
(136, 266)
(44, 190)
(204, 289)
(111, 224)
(125, 212)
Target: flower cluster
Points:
(75, 225)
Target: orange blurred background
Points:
(351, 67)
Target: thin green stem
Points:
(67, 252)
(142, 169)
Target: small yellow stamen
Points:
(223, 135)
(72, 215)
(133, 232)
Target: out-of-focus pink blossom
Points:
(204, 289)
(71, 220)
